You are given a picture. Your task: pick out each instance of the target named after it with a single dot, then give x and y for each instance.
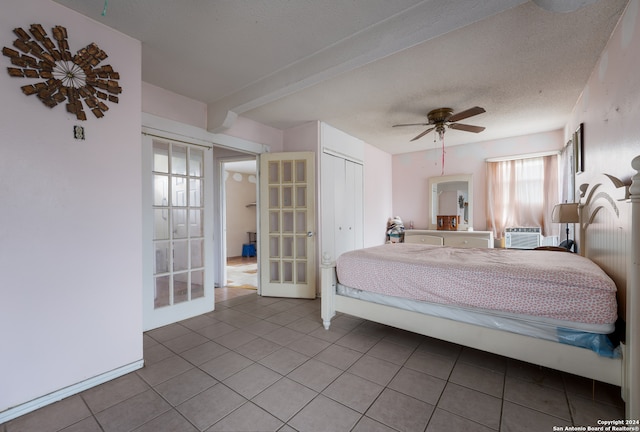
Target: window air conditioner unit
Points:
(522, 238)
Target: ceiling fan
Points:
(441, 117)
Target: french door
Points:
(180, 207)
(287, 225)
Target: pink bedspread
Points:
(557, 285)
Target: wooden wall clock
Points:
(77, 79)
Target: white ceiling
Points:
(245, 166)
(365, 65)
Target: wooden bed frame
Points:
(609, 236)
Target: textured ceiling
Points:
(364, 65)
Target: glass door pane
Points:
(178, 208)
(287, 225)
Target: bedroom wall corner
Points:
(378, 194)
(166, 104)
(411, 172)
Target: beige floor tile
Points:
(355, 392)
(324, 415)
(133, 413)
(284, 360)
(443, 421)
(171, 421)
(421, 386)
(315, 374)
(358, 341)
(284, 398)
(338, 356)
(185, 386)
(400, 411)
(222, 367)
(477, 378)
(113, 392)
(308, 345)
(248, 417)
(164, 370)
(472, 405)
(203, 353)
(516, 418)
(258, 348)
(252, 380)
(432, 364)
(374, 369)
(211, 406)
(369, 425)
(52, 417)
(373, 378)
(538, 397)
(90, 424)
(390, 351)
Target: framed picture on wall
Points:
(568, 171)
(578, 149)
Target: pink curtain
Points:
(522, 193)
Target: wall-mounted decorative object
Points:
(568, 172)
(578, 148)
(74, 78)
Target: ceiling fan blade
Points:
(466, 127)
(412, 124)
(423, 133)
(466, 114)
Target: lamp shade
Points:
(565, 213)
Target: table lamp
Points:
(565, 213)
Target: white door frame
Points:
(221, 215)
(162, 128)
(153, 318)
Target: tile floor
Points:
(266, 364)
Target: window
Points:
(522, 193)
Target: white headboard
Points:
(605, 230)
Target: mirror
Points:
(451, 195)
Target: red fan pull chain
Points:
(442, 139)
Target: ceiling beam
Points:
(420, 23)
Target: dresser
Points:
(468, 239)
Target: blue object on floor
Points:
(248, 250)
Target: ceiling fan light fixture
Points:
(440, 118)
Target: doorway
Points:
(178, 205)
(240, 222)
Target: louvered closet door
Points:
(342, 205)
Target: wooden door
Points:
(287, 225)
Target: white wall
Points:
(256, 132)
(378, 195)
(377, 175)
(169, 105)
(411, 172)
(240, 191)
(70, 225)
(609, 106)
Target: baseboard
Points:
(56, 396)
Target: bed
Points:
(609, 235)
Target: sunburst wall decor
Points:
(74, 78)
